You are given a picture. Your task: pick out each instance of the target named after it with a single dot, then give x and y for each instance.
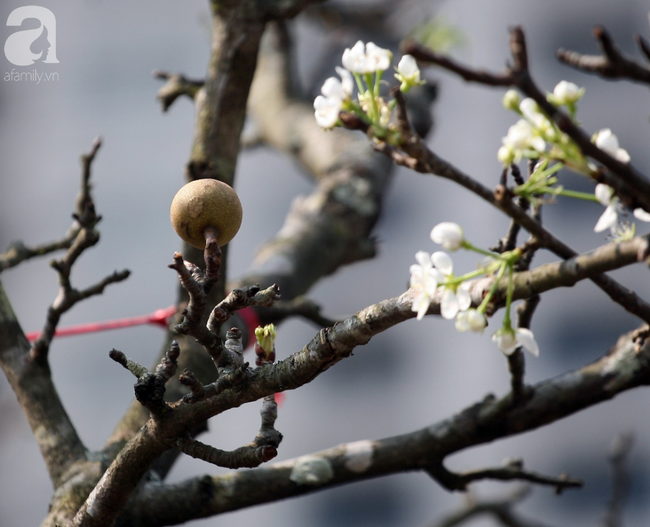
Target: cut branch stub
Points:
(150, 387)
(205, 209)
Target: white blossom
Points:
(327, 110)
(531, 112)
(604, 193)
(424, 282)
(609, 218)
(521, 136)
(454, 299)
(443, 262)
(509, 340)
(506, 155)
(367, 58)
(454, 302)
(354, 59)
(608, 142)
(567, 93)
(449, 235)
(333, 88)
(511, 100)
(377, 59)
(408, 67)
(471, 320)
(408, 73)
(333, 92)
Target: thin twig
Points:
(176, 86)
(239, 299)
(510, 472)
(500, 509)
(18, 252)
(618, 455)
(198, 285)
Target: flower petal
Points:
(407, 66)
(641, 214)
(421, 305)
(347, 82)
(462, 322)
(506, 341)
(567, 92)
(607, 141)
(326, 111)
(433, 277)
(526, 339)
(607, 220)
(423, 258)
(532, 113)
(537, 143)
(463, 296)
(377, 59)
(449, 304)
(443, 262)
(332, 88)
(354, 59)
(448, 234)
(476, 321)
(622, 155)
(603, 193)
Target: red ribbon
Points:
(159, 317)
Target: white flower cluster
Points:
(434, 269)
(361, 62)
(433, 275)
(430, 271)
(368, 58)
(535, 136)
(528, 136)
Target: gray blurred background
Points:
(405, 379)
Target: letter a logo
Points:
(25, 47)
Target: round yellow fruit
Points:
(206, 203)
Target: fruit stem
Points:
(212, 253)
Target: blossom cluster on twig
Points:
(363, 65)
(536, 136)
(433, 274)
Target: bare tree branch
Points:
(31, 381)
(627, 365)
(19, 252)
(28, 369)
(610, 65)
